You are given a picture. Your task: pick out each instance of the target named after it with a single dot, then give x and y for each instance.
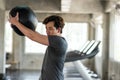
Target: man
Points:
(52, 68)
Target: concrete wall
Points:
(2, 41)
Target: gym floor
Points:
(70, 73)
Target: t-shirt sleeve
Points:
(55, 41)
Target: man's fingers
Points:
(17, 16)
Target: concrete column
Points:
(91, 36)
(18, 50)
(91, 32)
(112, 63)
(2, 44)
(105, 48)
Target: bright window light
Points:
(65, 5)
(34, 47)
(117, 38)
(8, 38)
(76, 35)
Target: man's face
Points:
(50, 29)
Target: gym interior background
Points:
(85, 20)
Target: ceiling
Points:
(81, 8)
(56, 6)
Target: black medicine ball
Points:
(26, 16)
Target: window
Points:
(75, 33)
(117, 38)
(34, 47)
(8, 38)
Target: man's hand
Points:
(14, 20)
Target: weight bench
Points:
(89, 50)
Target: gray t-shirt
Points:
(53, 63)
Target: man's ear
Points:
(59, 30)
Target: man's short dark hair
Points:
(58, 21)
